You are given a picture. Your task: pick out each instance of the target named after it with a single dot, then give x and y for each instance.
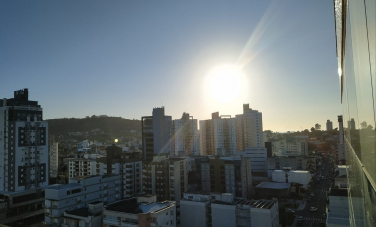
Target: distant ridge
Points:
(115, 126)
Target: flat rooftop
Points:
(273, 185)
(131, 206)
(63, 186)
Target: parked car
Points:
(301, 218)
(309, 198)
(313, 209)
(312, 194)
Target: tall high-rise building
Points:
(156, 134)
(329, 125)
(54, 159)
(224, 136)
(206, 137)
(253, 134)
(24, 137)
(186, 139)
(24, 160)
(355, 23)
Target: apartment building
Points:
(355, 29)
(178, 178)
(155, 177)
(54, 159)
(224, 210)
(166, 178)
(290, 147)
(206, 138)
(227, 175)
(79, 193)
(224, 135)
(24, 158)
(142, 211)
(157, 132)
(186, 137)
(253, 129)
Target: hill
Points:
(94, 126)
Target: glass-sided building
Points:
(355, 22)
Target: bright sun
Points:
(225, 83)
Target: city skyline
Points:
(123, 59)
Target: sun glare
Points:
(225, 83)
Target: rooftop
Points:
(338, 192)
(131, 206)
(273, 185)
(63, 186)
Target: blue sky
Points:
(122, 58)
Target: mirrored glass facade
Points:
(356, 51)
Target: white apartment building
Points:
(294, 176)
(186, 137)
(78, 194)
(227, 211)
(290, 148)
(79, 167)
(258, 156)
(143, 211)
(54, 159)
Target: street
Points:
(313, 218)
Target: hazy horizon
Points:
(123, 58)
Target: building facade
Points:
(186, 137)
(356, 51)
(227, 175)
(54, 159)
(157, 132)
(24, 159)
(225, 210)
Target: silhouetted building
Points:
(329, 125)
(156, 134)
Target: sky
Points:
(124, 58)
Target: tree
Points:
(306, 132)
(317, 126)
(313, 129)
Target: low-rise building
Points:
(79, 193)
(272, 189)
(143, 211)
(293, 176)
(90, 216)
(224, 210)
